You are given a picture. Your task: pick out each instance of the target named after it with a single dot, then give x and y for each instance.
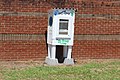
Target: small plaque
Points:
(63, 41)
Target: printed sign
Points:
(58, 12)
(63, 41)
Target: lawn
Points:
(87, 71)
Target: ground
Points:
(84, 69)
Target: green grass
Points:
(91, 71)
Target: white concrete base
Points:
(69, 61)
(50, 61)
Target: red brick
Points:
(25, 50)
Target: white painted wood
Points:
(69, 52)
(60, 32)
(58, 35)
(53, 51)
(49, 51)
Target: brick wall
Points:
(22, 50)
(23, 26)
(93, 49)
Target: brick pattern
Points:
(38, 37)
(29, 17)
(98, 7)
(96, 49)
(24, 5)
(22, 50)
(21, 37)
(97, 26)
(23, 24)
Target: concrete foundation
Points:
(69, 61)
(53, 62)
(50, 61)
